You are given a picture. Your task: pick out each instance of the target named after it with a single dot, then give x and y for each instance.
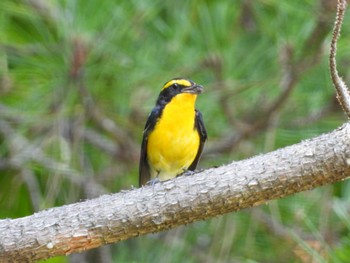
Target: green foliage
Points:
(78, 78)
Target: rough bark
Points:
(111, 218)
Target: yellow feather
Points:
(174, 142)
(183, 82)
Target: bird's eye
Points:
(176, 86)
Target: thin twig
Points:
(33, 187)
(343, 94)
(127, 150)
(315, 116)
(276, 228)
(24, 152)
(293, 70)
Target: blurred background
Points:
(78, 79)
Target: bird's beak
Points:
(194, 89)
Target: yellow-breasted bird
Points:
(174, 133)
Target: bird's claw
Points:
(188, 173)
(153, 181)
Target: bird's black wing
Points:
(144, 169)
(199, 126)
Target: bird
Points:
(174, 134)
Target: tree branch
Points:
(111, 218)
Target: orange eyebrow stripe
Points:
(183, 82)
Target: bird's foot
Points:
(153, 181)
(188, 173)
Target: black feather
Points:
(199, 126)
(144, 169)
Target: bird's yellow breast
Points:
(174, 142)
